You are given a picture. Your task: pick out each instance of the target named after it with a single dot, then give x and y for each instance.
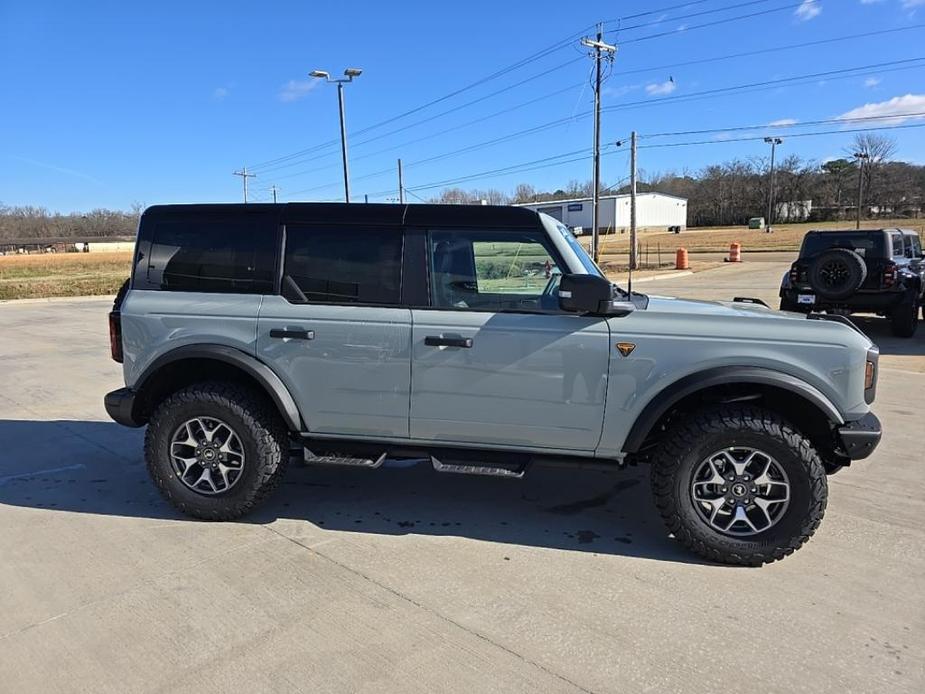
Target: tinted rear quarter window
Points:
(865, 244)
(212, 255)
(342, 265)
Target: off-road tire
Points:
(697, 436)
(837, 273)
(262, 433)
(904, 318)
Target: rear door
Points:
(494, 361)
(338, 334)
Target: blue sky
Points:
(111, 103)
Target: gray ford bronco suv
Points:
(485, 340)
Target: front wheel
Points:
(739, 485)
(216, 450)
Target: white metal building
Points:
(653, 210)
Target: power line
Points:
(675, 32)
(789, 135)
(514, 66)
(752, 86)
(775, 49)
(768, 126)
(561, 159)
(454, 109)
(757, 86)
(686, 16)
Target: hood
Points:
(731, 309)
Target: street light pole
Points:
(861, 157)
(773, 141)
(349, 73)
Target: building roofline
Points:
(602, 197)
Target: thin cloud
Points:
(59, 169)
(912, 4)
(219, 93)
(294, 90)
(783, 123)
(893, 111)
(661, 88)
(871, 82)
(808, 9)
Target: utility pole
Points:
(602, 51)
(861, 157)
(773, 141)
(244, 176)
(634, 242)
(401, 185)
(273, 188)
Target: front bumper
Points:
(120, 405)
(860, 438)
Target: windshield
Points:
(590, 267)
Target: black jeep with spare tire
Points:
(878, 271)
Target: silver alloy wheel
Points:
(740, 491)
(207, 455)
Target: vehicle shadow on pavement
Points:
(97, 468)
(878, 330)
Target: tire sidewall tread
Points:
(260, 429)
(697, 436)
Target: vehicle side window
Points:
(897, 243)
(492, 270)
(342, 265)
(212, 256)
(916, 245)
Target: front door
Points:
(338, 335)
(493, 359)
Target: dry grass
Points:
(786, 237)
(62, 274)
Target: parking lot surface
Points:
(404, 580)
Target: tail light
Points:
(115, 335)
(794, 274)
(889, 275)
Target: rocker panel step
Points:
(462, 468)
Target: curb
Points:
(57, 299)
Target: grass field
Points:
(786, 237)
(62, 274)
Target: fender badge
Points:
(626, 348)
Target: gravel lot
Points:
(403, 580)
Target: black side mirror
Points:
(590, 294)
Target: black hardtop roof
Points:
(418, 215)
(858, 231)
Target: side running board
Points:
(467, 469)
(312, 459)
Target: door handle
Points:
(440, 341)
(293, 334)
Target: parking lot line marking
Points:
(8, 478)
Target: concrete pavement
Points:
(403, 580)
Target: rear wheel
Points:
(216, 450)
(739, 485)
(904, 319)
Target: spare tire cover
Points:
(837, 273)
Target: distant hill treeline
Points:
(27, 223)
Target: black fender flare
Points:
(669, 396)
(260, 372)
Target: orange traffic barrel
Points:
(680, 260)
(735, 252)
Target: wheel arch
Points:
(814, 412)
(195, 363)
